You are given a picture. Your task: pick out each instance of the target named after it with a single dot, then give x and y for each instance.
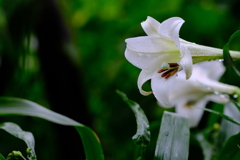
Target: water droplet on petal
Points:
(235, 96)
(216, 92)
(208, 88)
(221, 60)
(223, 96)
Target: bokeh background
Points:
(68, 55)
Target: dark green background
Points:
(68, 55)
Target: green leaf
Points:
(17, 106)
(16, 131)
(142, 137)
(228, 128)
(231, 149)
(205, 145)
(235, 103)
(228, 62)
(1, 157)
(17, 155)
(222, 115)
(173, 138)
(213, 118)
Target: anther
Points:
(173, 64)
(168, 69)
(171, 73)
(166, 73)
(161, 70)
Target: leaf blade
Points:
(1, 157)
(17, 106)
(142, 136)
(173, 139)
(27, 137)
(228, 61)
(222, 115)
(230, 149)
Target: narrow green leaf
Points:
(205, 145)
(228, 128)
(222, 115)
(173, 138)
(1, 157)
(226, 55)
(17, 106)
(213, 118)
(142, 137)
(231, 149)
(16, 131)
(235, 103)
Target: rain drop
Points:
(166, 134)
(223, 96)
(208, 88)
(235, 96)
(221, 60)
(176, 155)
(216, 92)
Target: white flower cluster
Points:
(172, 65)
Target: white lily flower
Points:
(162, 54)
(197, 91)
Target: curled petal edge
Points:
(150, 26)
(143, 77)
(170, 28)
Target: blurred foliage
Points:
(96, 47)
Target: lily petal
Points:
(217, 87)
(148, 61)
(150, 26)
(186, 107)
(151, 45)
(162, 89)
(183, 87)
(186, 61)
(213, 69)
(142, 78)
(217, 98)
(170, 28)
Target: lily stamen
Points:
(169, 72)
(173, 64)
(162, 70)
